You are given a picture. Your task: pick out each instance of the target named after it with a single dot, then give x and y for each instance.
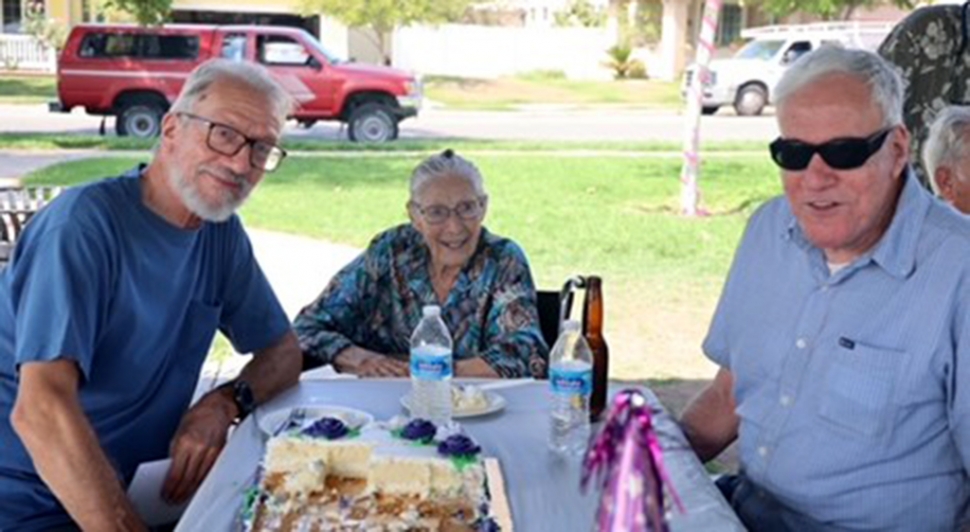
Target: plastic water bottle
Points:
(431, 368)
(571, 383)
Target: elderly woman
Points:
(362, 322)
(946, 156)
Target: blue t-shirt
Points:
(99, 278)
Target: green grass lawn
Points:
(18, 89)
(614, 216)
(509, 93)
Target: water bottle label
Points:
(431, 366)
(571, 382)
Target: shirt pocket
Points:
(857, 389)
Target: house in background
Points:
(68, 13)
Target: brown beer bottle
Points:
(593, 320)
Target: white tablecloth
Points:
(543, 491)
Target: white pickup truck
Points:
(747, 80)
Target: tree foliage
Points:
(145, 12)
(827, 9)
(43, 28)
(581, 13)
(385, 15)
(382, 16)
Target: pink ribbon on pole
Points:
(627, 461)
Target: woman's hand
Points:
(365, 363)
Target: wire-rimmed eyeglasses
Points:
(227, 140)
(468, 210)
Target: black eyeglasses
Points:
(466, 210)
(840, 154)
(228, 140)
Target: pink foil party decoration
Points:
(626, 459)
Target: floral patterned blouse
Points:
(375, 303)
(928, 49)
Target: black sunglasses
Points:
(840, 154)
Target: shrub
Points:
(623, 63)
(638, 70)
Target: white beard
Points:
(194, 201)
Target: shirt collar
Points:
(896, 250)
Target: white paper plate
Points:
(495, 403)
(270, 422)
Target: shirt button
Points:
(763, 451)
(801, 343)
(825, 288)
(785, 400)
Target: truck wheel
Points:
(751, 100)
(372, 122)
(139, 118)
(709, 109)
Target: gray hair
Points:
(446, 163)
(249, 74)
(946, 143)
(881, 77)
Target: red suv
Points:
(134, 73)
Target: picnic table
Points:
(543, 490)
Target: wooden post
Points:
(689, 175)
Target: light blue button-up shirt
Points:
(852, 388)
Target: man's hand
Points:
(199, 439)
(202, 433)
(366, 363)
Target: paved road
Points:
(532, 124)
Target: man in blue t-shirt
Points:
(111, 301)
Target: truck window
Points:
(281, 50)
(796, 50)
(107, 45)
(147, 46)
(234, 46)
(169, 46)
(759, 49)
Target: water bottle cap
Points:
(570, 326)
(430, 310)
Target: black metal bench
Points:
(17, 207)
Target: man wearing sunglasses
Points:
(843, 331)
(111, 302)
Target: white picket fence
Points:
(492, 51)
(24, 52)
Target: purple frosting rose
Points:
(420, 430)
(330, 428)
(458, 445)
